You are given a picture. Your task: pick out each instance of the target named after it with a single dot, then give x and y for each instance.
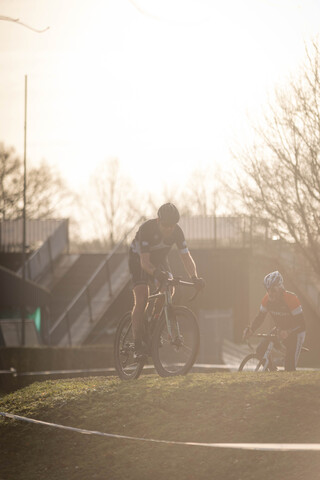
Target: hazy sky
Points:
(164, 85)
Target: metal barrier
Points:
(37, 232)
(241, 231)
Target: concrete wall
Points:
(227, 275)
(41, 359)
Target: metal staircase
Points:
(71, 281)
(91, 303)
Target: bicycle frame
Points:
(167, 295)
(267, 354)
(171, 336)
(273, 343)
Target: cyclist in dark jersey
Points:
(286, 312)
(148, 261)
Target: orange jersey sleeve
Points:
(293, 303)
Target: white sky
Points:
(164, 91)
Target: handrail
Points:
(85, 288)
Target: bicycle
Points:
(272, 358)
(172, 338)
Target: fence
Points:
(37, 232)
(215, 231)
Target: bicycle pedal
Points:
(140, 356)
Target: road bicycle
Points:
(271, 360)
(172, 338)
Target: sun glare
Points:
(147, 81)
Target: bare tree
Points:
(10, 182)
(203, 193)
(47, 193)
(280, 178)
(46, 190)
(169, 193)
(113, 204)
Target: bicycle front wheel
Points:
(252, 363)
(127, 367)
(174, 350)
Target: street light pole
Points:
(23, 309)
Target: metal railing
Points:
(227, 231)
(85, 296)
(37, 232)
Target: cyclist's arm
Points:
(144, 247)
(258, 321)
(250, 329)
(146, 264)
(189, 264)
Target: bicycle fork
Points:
(171, 320)
(266, 356)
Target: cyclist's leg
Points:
(140, 294)
(262, 347)
(293, 344)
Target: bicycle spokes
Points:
(126, 364)
(175, 345)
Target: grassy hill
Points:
(219, 407)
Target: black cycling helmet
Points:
(168, 213)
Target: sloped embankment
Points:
(207, 408)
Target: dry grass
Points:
(219, 407)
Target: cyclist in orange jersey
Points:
(287, 314)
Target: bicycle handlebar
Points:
(271, 336)
(178, 281)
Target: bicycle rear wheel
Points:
(127, 367)
(252, 363)
(175, 353)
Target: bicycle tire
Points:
(176, 356)
(127, 367)
(252, 363)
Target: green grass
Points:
(219, 407)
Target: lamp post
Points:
(24, 220)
